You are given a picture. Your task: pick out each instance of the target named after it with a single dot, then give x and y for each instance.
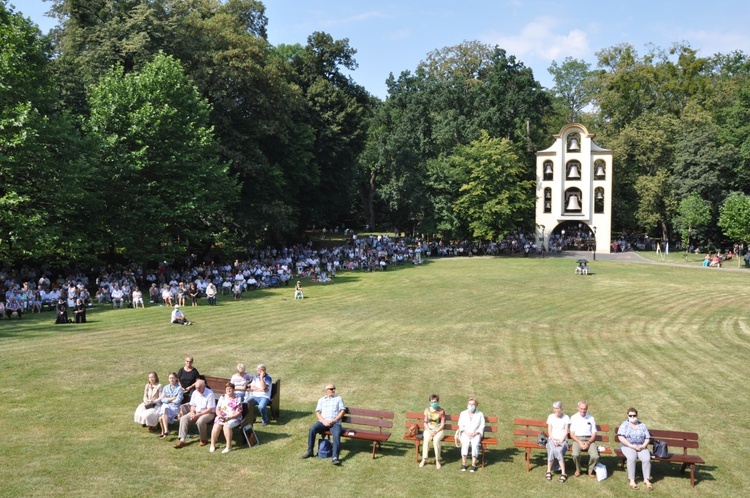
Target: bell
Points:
(574, 147)
(599, 171)
(599, 194)
(548, 169)
(573, 204)
(548, 206)
(574, 173)
(547, 193)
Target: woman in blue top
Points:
(634, 439)
(171, 398)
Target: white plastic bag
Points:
(601, 471)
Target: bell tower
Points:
(574, 184)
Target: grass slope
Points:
(517, 333)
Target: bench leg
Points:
(374, 445)
(528, 459)
(483, 455)
(416, 447)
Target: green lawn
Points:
(516, 333)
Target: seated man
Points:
(330, 411)
(13, 308)
(153, 293)
(583, 433)
(202, 406)
(260, 393)
(117, 297)
(178, 316)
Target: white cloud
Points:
(539, 39)
(365, 16)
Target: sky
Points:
(394, 36)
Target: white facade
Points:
(574, 184)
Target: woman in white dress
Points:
(147, 413)
(471, 429)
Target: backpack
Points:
(325, 448)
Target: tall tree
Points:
(572, 85)
(495, 198)
(734, 217)
(165, 189)
(692, 213)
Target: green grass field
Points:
(516, 333)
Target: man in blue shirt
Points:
(330, 411)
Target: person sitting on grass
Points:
(298, 291)
(13, 308)
(178, 316)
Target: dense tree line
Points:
(149, 129)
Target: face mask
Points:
(472, 408)
(633, 419)
(434, 404)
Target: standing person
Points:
(471, 429)
(634, 441)
(211, 294)
(171, 398)
(583, 433)
(202, 406)
(147, 413)
(181, 291)
(228, 416)
(558, 427)
(329, 411)
(260, 393)
(79, 310)
(194, 294)
(298, 291)
(188, 376)
(434, 423)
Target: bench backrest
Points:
(674, 439)
(451, 421)
(371, 418)
(529, 429)
(218, 385)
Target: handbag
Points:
(601, 471)
(661, 449)
(412, 429)
(541, 440)
(150, 405)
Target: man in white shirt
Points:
(202, 408)
(117, 296)
(583, 433)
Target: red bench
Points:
(674, 439)
(451, 425)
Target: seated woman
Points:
(193, 293)
(147, 413)
(62, 311)
(434, 423)
(240, 380)
(558, 427)
(228, 416)
(171, 398)
(137, 298)
(471, 430)
(634, 440)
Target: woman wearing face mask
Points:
(634, 440)
(471, 429)
(434, 423)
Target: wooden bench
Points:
(356, 418)
(451, 425)
(218, 386)
(526, 431)
(674, 439)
